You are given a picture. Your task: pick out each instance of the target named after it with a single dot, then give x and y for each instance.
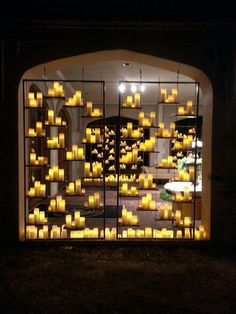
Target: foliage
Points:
(165, 196)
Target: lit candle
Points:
(89, 108)
(189, 107)
(61, 140)
(177, 217)
(163, 95)
(137, 100)
(181, 111)
(50, 116)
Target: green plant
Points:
(165, 196)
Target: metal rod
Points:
(197, 86)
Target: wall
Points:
(206, 47)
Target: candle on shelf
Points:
(161, 129)
(174, 94)
(89, 108)
(186, 194)
(50, 116)
(187, 221)
(61, 140)
(58, 121)
(148, 232)
(181, 111)
(137, 100)
(31, 219)
(163, 95)
(179, 234)
(177, 217)
(39, 128)
(187, 233)
(189, 107)
(172, 129)
(129, 101)
(31, 132)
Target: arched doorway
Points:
(155, 62)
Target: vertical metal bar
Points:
(25, 168)
(118, 163)
(104, 165)
(197, 86)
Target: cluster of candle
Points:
(131, 102)
(38, 217)
(186, 196)
(75, 100)
(122, 178)
(56, 91)
(74, 188)
(167, 163)
(185, 144)
(165, 211)
(127, 217)
(150, 121)
(148, 145)
(112, 168)
(32, 232)
(184, 175)
(183, 234)
(170, 98)
(124, 191)
(130, 132)
(54, 120)
(161, 132)
(38, 190)
(35, 102)
(96, 112)
(188, 110)
(57, 204)
(200, 234)
(147, 233)
(93, 170)
(92, 136)
(39, 131)
(94, 201)
(38, 161)
(78, 221)
(77, 153)
(147, 203)
(56, 142)
(146, 181)
(110, 234)
(55, 174)
(84, 234)
(130, 157)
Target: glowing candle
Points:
(39, 129)
(187, 234)
(129, 101)
(181, 111)
(179, 234)
(31, 219)
(32, 158)
(174, 94)
(89, 108)
(163, 95)
(187, 221)
(148, 232)
(137, 99)
(61, 140)
(189, 107)
(177, 217)
(186, 194)
(50, 116)
(58, 121)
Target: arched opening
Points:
(61, 69)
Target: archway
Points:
(153, 61)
